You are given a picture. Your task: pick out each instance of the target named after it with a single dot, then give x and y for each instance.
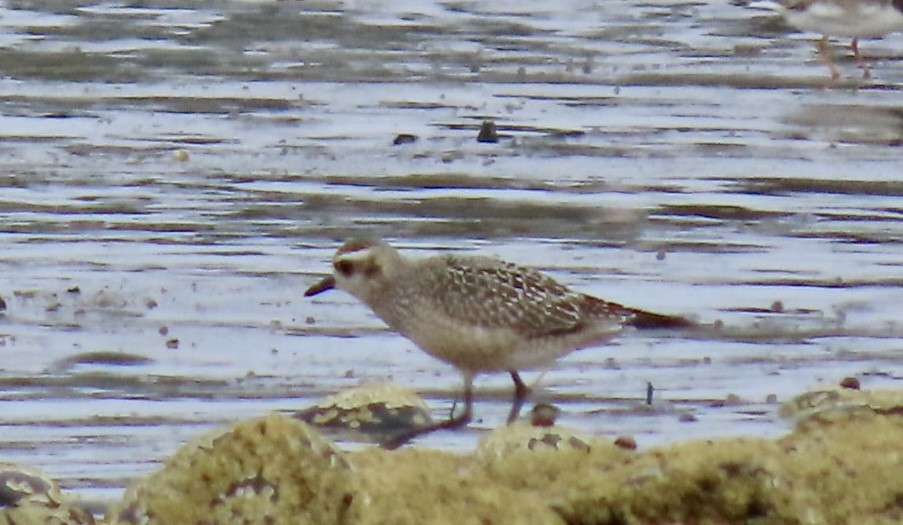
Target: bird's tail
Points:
(643, 320)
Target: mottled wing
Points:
(495, 294)
(594, 308)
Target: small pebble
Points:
(488, 133)
(626, 442)
(851, 383)
(404, 138)
(747, 50)
(687, 417)
(544, 415)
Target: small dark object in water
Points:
(488, 132)
(544, 415)
(850, 383)
(626, 442)
(404, 138)
(687, 417)
(102, 357)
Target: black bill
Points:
(328, 283)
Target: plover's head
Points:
(361, 268)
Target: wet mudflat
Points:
(173, 176)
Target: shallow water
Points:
(173, 176)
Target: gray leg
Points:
(521, 391)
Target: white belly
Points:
(477, 349)
(828, 18)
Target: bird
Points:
(843, 18)
(478, 314)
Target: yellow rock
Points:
(20, 483)
(273, 470)
(417, 487)
(835, 467)
(524, 436)
(28, 496)
(820, 401)
(31, 513)
(846, 466)
(376, 409)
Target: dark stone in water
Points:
(851, 383)
(488, 132)
(404, 138)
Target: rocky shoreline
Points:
(842, 463)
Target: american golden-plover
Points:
(479, 314)
(846, 18)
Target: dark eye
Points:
(344, 267)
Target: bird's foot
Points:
(449, 424)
